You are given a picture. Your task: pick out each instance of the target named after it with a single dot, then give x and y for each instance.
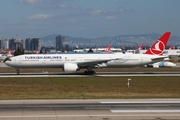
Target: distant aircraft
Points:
(74, 62)
(37, 52)
(108, 49)
(171, 47)
(161, 64)
(141, 47)
(9, 54)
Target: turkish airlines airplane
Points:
(171, 47)
(141, 47)
(157, 50)
(161, 64)
(75, 62)
(7, 55)
(107, 50)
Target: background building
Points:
(12, 44)
(59, 43)
(32, 44)
(15, 43)
(4, 44)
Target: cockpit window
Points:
(7, 59)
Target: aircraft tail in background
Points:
(159, 46)
(141, 47)
(10, 51)
(107, 50)
(171, 47)
(37, 52)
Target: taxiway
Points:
(90, 109)
(79, 74)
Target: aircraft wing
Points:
(160, 58)
(94, 63)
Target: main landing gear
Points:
(89, 71)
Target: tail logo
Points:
(158, 48)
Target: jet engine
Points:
(70, 67)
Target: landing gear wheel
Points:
(85, 72)
(89, 72)
(92, 72)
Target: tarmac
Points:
(90, 109)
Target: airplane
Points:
(171, 47)
(37, 52)
(75, 62)
(141, 47)
(97, 50)
(107, 50)
(156, 49)
(161, 64)
(9, 54)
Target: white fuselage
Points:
(81, 60)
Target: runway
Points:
(81, 74)
(90, 109)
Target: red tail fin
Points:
(141, 47)
(10, 51)
(108, 49)
(159, 46)
(171, 47)
(37, 52)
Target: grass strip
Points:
(89, 88)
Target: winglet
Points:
(159, 46)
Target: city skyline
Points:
(29, 44)
(88, 19)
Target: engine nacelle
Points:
(70, 67)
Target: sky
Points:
(88, 18)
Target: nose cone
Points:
(173, 65)
(170, 64)
(8, 62)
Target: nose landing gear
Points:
(17, 71)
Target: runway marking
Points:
(144, 111)
(110, 115)
(134, 102)
(101, 74)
